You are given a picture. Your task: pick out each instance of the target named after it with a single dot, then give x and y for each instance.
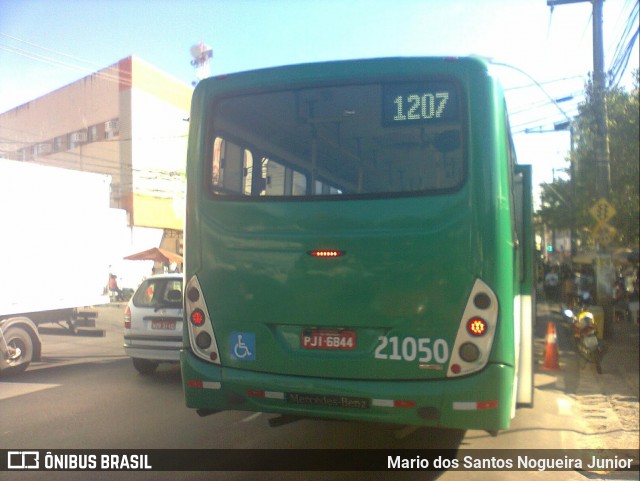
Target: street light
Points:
(567, 124)
(519, 70)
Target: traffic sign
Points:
(602, 211)
(603, 234)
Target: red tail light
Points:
(200, 325)
(476, 331)
(477, 326)
(326, 253)
(127, 318)
(197, 317)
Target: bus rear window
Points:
(354, 140)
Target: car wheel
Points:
(19, 339)
(145, 366)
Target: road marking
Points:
(565, 407)
(250, 418)
(13, 389)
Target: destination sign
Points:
(419, 103)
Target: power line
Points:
(522, 108)
(624, 48)
(50, 50)
(110, 73)
(546, 82)
(58, 63)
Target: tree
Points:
(566, 204)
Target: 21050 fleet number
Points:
(411, 348)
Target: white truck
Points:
(54, 248)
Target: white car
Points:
(153, 323)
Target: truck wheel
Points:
(72, 327)
(17, 338)
(145, 366)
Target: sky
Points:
(47, 44)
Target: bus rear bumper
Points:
(479, 401)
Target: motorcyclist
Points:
(113, 287)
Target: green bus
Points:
(358, 245)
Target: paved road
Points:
(86, 394)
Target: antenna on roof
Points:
(202, 55)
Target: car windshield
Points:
(159, 292)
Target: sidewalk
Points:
(608, 403)
(621, 363)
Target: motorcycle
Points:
(584, 332)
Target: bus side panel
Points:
(491, 193)
(527, 314)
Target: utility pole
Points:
(602, 166)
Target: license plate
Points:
(163, 324)
(328, 339)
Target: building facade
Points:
(128, 120)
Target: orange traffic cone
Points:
(551, 350)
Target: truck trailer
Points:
(54, 245)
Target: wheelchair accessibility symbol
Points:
(243, 346)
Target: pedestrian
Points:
(113, 287)
(552, 285)
(568, 288)
(620, 301)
